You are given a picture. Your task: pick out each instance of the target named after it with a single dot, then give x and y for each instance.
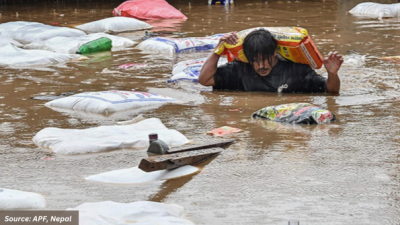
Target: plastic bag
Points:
(72, 44)
(376, 10)
(147, 10)
(106, 138)
(190, 69)
(138, 213)
(176, 45)
(98, 45)
(11, 56)
(296, 113)
(114, 24)
(294, 44)
(27, 32)
(14, 199)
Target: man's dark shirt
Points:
(288, 76)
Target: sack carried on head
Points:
(294, 44)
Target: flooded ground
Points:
(347, 172)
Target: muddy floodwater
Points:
(346, 172)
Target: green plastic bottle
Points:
(98, 45)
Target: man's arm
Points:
(332, 65)
(210, 66)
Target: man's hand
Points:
(333, 63)
(230, 38)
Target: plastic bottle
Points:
(157, 146)
(98, 45)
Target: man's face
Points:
(263, 68)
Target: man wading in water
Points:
(265, 72)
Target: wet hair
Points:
(258, 46)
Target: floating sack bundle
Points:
(190, 69)
(106, 138)
(176, 45)
(11, 56)
(294, 44)
(82, 44)
(138, 213)
(376, 10)
(296, 113)
(108, 102)
(147, 10)
(27, 32)
(114, 24)
(137, 176)
(13, 199)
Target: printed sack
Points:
(296, 113)
(294, 44)
(108, 102)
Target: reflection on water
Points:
(346, 172)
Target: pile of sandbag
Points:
(14, 57)
(72, 45)
(147, 10)
(376, 10)
(27, 32)
(114, 25)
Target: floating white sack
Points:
(106, 138)
(13, 199)
(11, 56)
(27, 32)
(138, 213)
(376, 10)
(108, 102)
(175, 45)
(72, 44)
(190, 69)
(6, 41)
(136, 176)
(114, 24)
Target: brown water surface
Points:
(347, 172)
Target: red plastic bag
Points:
(147, 10)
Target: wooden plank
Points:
(172, 161)
(210, 144)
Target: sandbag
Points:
(11, 56)
(137, 176)
(190, 69)
(108, 102)
(114, 24)
(165, 45)
(72, 44)
(106, 138)
(14, 199)
(6, 41)
(138, 213)
(376, 10)
(294, 44)
(296, 113)
(27, 32)
(147, 10)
